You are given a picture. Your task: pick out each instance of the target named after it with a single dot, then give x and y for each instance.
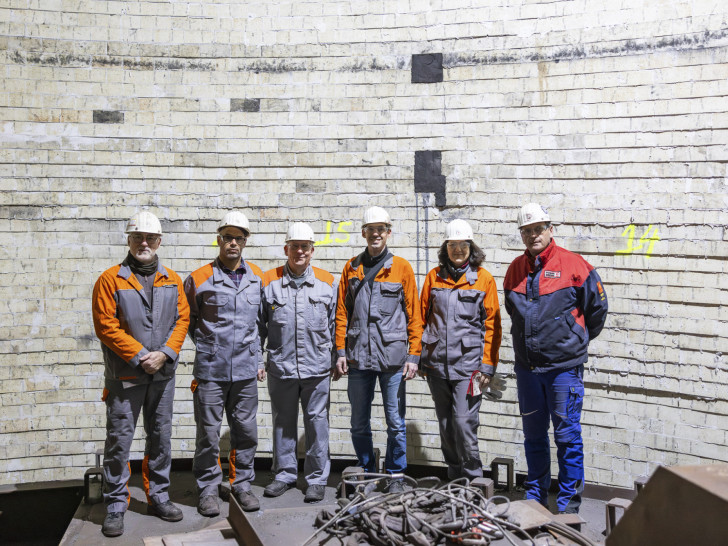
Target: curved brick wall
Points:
(613, 115)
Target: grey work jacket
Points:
(224, 322)
(130, 326)
(384, 328)
(298, 320)
(462, 324)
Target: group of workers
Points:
(371, 325)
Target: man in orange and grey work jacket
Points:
(141, 316)
(224, 298)
(378, 331)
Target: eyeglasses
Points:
(376, 229)
(462, 245)
(300, 246)
(537, 230)
(137, 238)
(227, 239)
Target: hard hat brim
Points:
(241, 228)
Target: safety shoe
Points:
(247, 501)
(113, 524)
(314, 493)
(166, 511)
(207, 506)
(395, 486)
(276, 488)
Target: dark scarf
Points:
(369, 261)
(456, 272)
(138, 268)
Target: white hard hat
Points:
(458, 230)
(531, 214)
(376, 215)
(298, 231)
(144, 222)
(235, 219)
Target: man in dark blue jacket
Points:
(557, 304)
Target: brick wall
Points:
(612, 115)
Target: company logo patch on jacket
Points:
(552, 274)
(601, 291)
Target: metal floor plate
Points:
(282, 521)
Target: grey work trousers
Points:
(122, 412)
(314, 395)
(458, 417)
(239, 400)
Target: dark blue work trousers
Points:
(556, 396)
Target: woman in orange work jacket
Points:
(460, 345)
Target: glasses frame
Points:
(138, 238)
(527, 232)
(297, 246)
(462, 245)
(227, 239)
(371, 230)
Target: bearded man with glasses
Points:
(141, 316)
(557, 305)
(224, 298)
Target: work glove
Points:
(494, 390)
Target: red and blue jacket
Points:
(557, 303)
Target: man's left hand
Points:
(153, 362)
(409, 371)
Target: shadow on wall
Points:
(416, 451)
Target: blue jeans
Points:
(557, 395)
(361, 393)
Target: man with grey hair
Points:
(141, 316)
(299, 312)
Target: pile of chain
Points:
(452, 513)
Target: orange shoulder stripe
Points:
(323, 276)
(199, 276)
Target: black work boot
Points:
(276, 488)
(314, 493)
(113, 524)
(247, 501)
(207, 506)
(166, 511)
(395, 486)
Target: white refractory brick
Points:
(622, 137)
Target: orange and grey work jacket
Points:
(129, 326)
(382, 330)
(298, 322)
(224, 322)
(462, 324)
